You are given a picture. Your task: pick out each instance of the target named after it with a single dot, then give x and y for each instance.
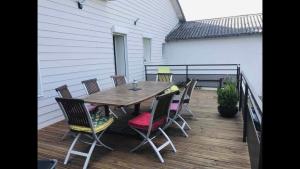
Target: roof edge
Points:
(179, 12)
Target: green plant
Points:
(227, 96)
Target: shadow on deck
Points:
(214, 142)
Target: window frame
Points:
(150, 49)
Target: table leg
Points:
(136, 109)
(106, 108)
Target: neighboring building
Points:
(236, 39)
(102, 38)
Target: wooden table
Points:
(123, 96)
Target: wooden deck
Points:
(214, 142)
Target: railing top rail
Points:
(254, 94)
(193, 65)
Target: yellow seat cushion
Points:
(98, 127)
(173, 88)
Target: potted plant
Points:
(227, 99)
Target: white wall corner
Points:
(119, 29)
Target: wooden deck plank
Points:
(213, 143)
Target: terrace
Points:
(213, 142)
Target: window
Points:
(40, 91)
(163, 46)
(147, 49)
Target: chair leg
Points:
(169, 140)
(184, 122)
(189, 110)
(123, 109)
(71, 148)
(100, 142)
(113, 113)
(89, 155)
(138, 146)
(156, 151)
(65, 135)
(179, 126)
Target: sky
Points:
(205, 9)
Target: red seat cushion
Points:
(142, 121)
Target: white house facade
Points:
(236, 40)
(79, 44)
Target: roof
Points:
(218, 27)
(178, 10)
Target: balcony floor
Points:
(214, 142)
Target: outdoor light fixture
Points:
(80, 3)
(136, 21)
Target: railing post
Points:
(186, 73)
(220, 82)
(240, 92)
(145, 72)
(237, 77)
(245, 112)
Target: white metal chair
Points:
(82, 124)
(119, 80)
(91, 86)
(188, 96)
(64, 92)
(149, 124)
(175, 109)
(164, 77)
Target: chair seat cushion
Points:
(174, 106)
(90, 107)
(142, 121)
(100, 124)
(176, 99)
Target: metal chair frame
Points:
(95, 136)
(84, 83)
(189, 94)
(146, 136)
(164, 74)
(115, 84)
(177, 115)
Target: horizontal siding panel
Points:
(72, 42)
(68, 63)
(81, 49)
(74, 69)
(75, 56)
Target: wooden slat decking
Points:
(214, 142)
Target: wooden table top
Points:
(122, 96)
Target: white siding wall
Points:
(245, 50)
(74, 44)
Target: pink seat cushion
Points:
(142, 121)
(90, 107)
(174, 106)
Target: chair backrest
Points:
(91, 86)
(181, 101)
(160, 109)
(76, 111)
(118, 80)
(163, 69)
(191, 87)
(164, 77)
(64, 92)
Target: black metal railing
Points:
(250, 104)
(207, 75)
(251, 107)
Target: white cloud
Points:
(204, 9)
